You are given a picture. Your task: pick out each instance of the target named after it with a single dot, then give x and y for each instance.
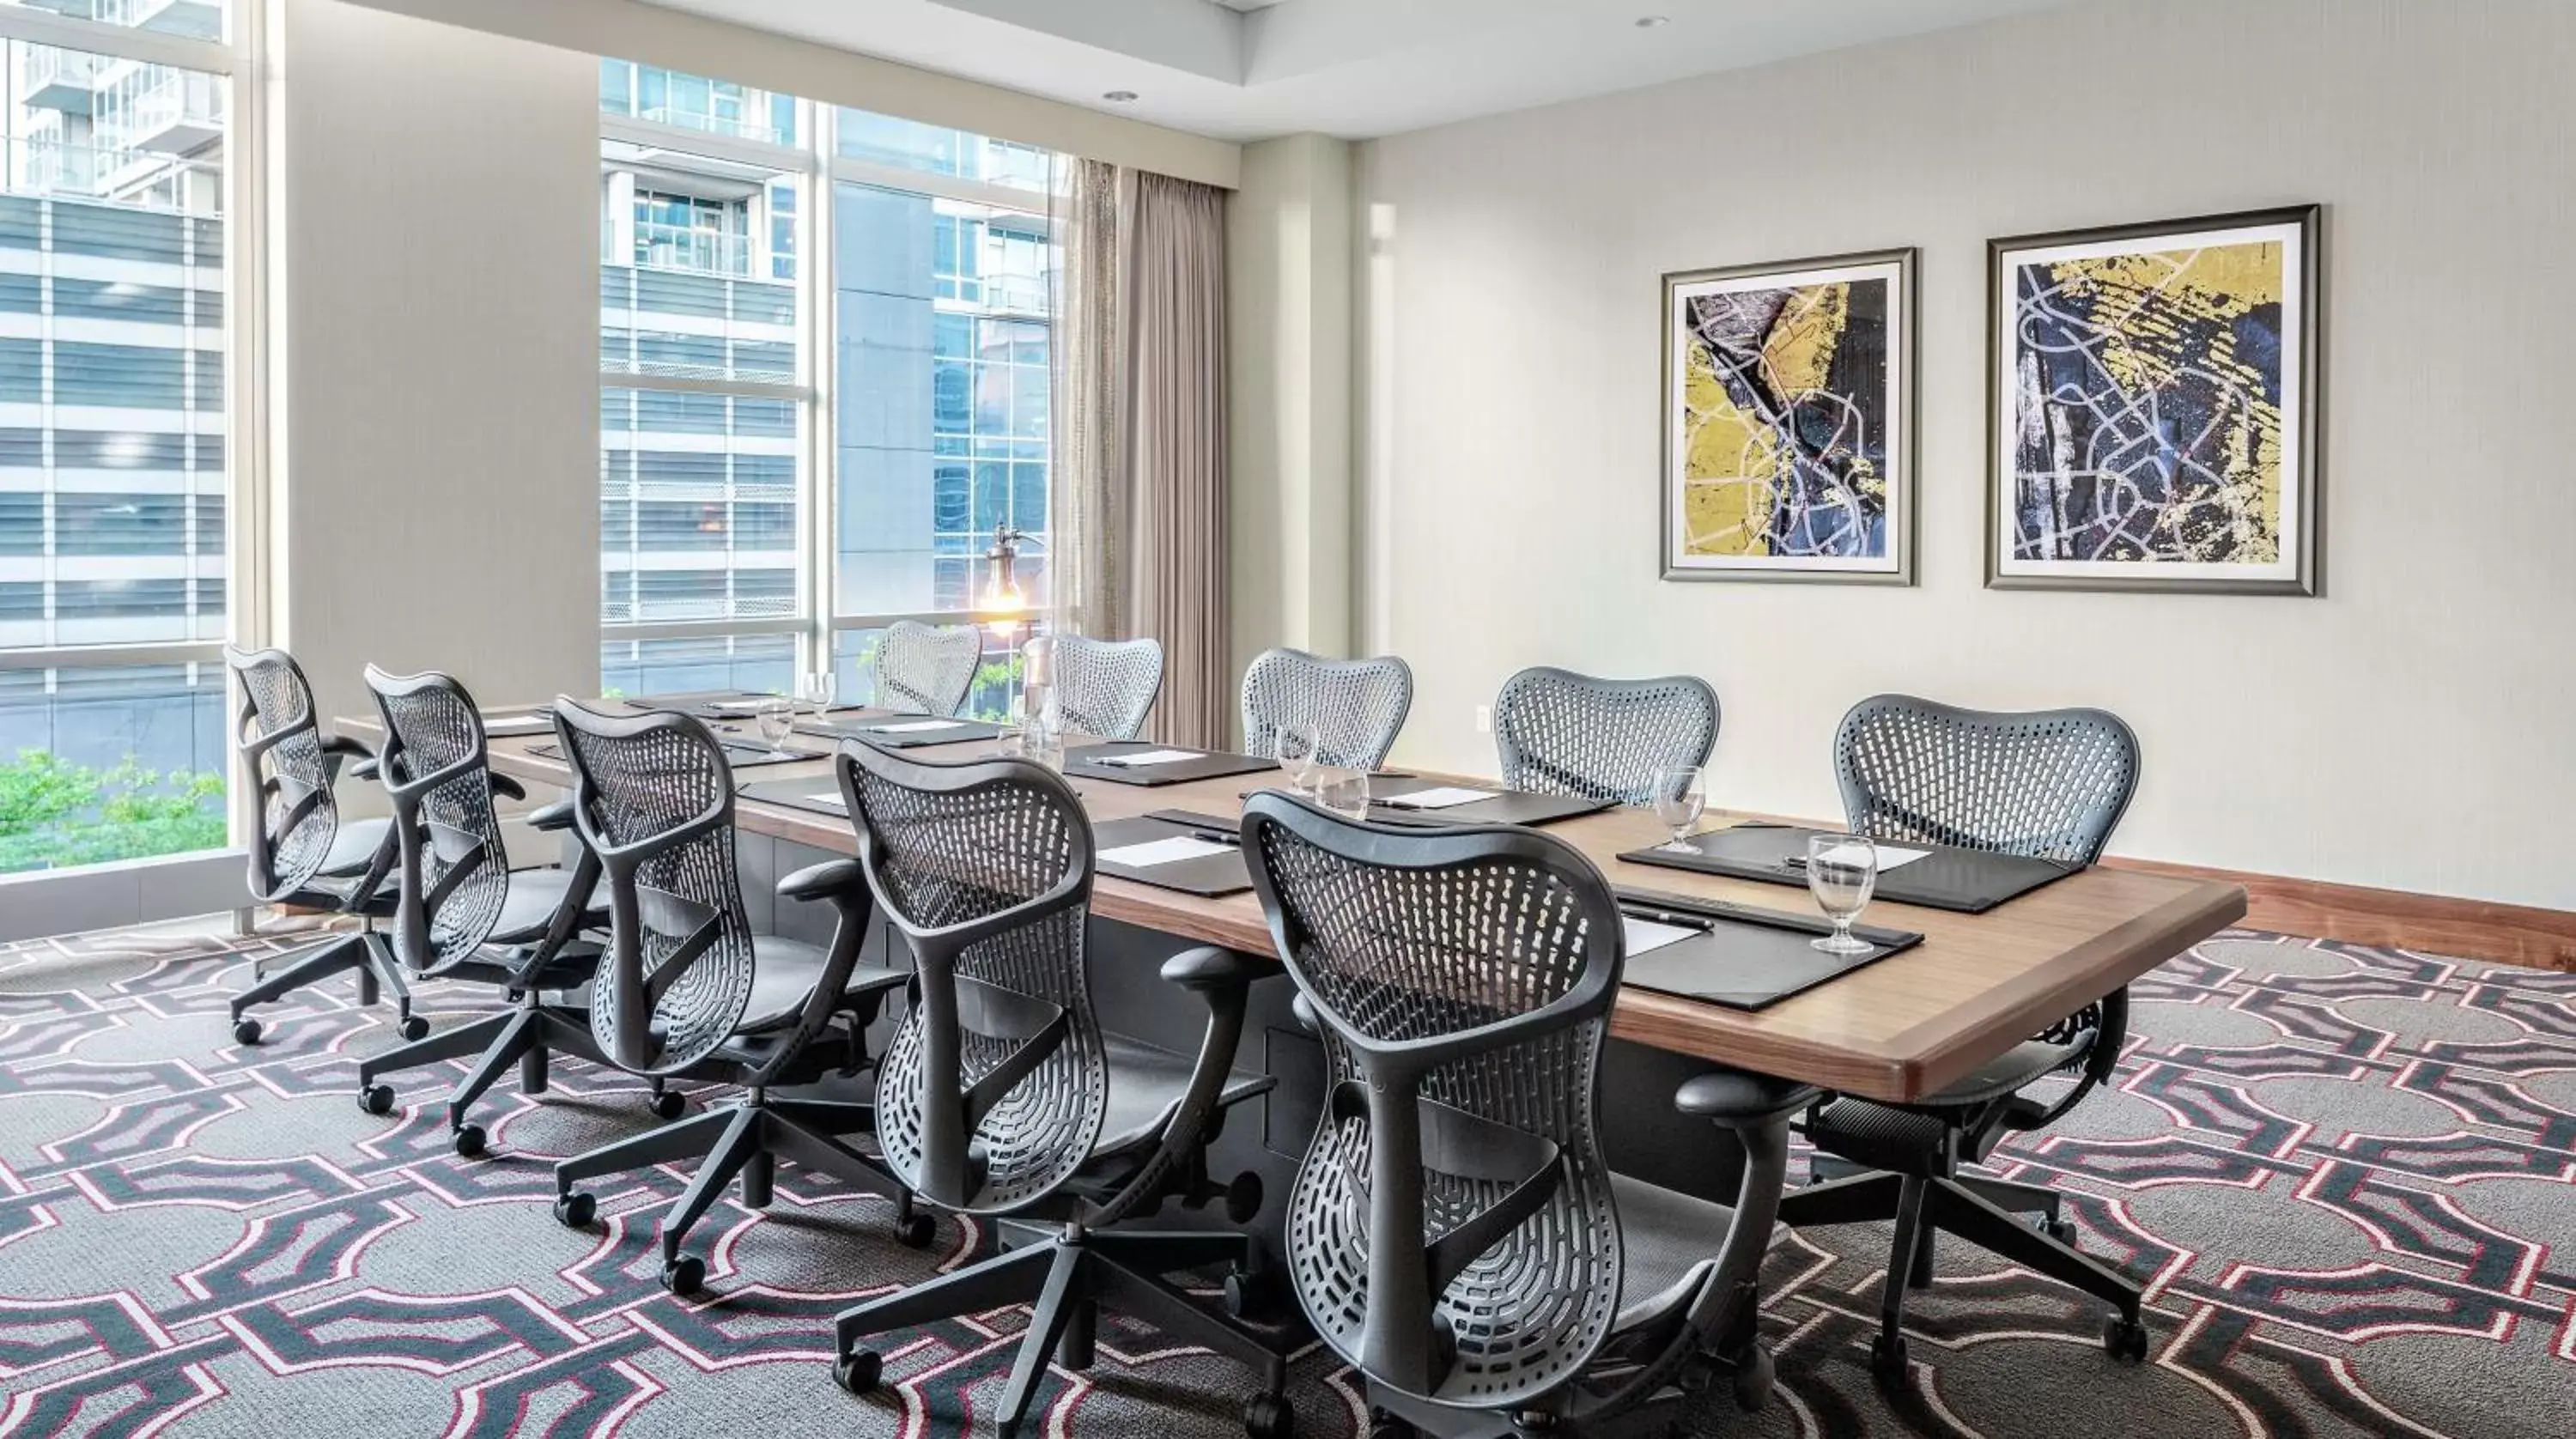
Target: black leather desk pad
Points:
(1084, 763)
(1212, 876)
(1748, 958)
(872, 727)
(1508, 806)
(1965, 881)
(819, 795)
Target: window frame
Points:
(236, 61)
(818, 169)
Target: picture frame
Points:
(1788, 420)
(2155, 406)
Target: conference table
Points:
(1895, 1030)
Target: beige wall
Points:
(2410, 729)
(1288, 247)
(436, 357)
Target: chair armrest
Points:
(504, 785)
(1307, 1018)
(834, 879)
(365, 769)
(549, 817)
(341, 744)
(1209, 967)
(1740, 1097)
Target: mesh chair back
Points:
(2047, 784)
(1451, 1232)
(1559, 732)
(1105, 687)
(280, 740)
(453, 866)
(654, 801)
(994, 1091)
(926, 669)
(1357, 707)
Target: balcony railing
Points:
(699, 120)
(664, 246)
(56, 79)
(125, 177)
(169, 110)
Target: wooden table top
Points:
(1896, 1030)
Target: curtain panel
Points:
(1139, 509)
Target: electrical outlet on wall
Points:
(1484, 719)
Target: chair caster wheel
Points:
(575, 1210)
(246, 1031)
(915, 1230)
(1267, 1416)
(685, 1275)
(2061, 1230)
(2125, 1339)
(670, 1104)
(469, 1142)
(1754, 1377)
(414, 1026)
(377, 1099)
(1243, 1198)
(1253, 1294)
(859, 1373)
(1383, 1425)
(1887, 1358)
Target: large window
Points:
(824, 340)
(115, 430)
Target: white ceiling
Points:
(1249, 69)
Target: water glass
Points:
(817, 689)
(777, 719)
(1343, 791)
(1042, 739)
(1293, 745)
(1681, 797)
(1842, 871)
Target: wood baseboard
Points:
(2398, 919)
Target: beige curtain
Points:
(1140, 487)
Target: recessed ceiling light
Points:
(1650, 22)
(1120, 97)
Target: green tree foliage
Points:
(55, 814)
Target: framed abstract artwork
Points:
(2153, 418)
(1789, 421)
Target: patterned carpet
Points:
(2351, 1173)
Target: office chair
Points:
(1105, 687)
(463, 913)
(303, 854)
(688, 989)
(1357, 707)
(1559, 732)
(926, 669)
(2050, 784)
(1001, 1097)
(1454, 1233)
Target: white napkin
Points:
(915, 726)
(1444, 797)
(1889, 856)
(1151, 756)
(1164, 851)
(829, 801)
(507, 726)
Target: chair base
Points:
(527, 1035)
(1980, 1211)
(366, 953)
(1068, 1279)
(745, 1138)
(1400, 1416)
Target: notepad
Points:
(1146, 757)
(505, 726)
(1889, 856)
(743, 707)
(1646, 934)
(1164, 851)
(915, 726)
(1444, 797)
(827, 801)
